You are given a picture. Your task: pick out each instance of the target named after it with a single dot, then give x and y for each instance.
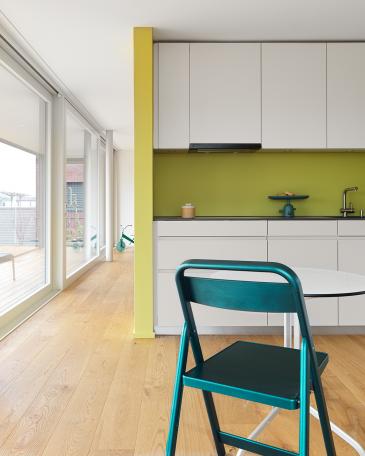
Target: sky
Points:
(17, 170)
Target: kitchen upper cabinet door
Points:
(293, 95)
(155, 95)
(346, 95)
(306, 253)
(225, 93)
(351, 258)
(173, 95)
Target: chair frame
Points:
(309, 372)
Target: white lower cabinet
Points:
(169, 314)
(316, 253)
(351, 258)
(326, 245)
(171, 251)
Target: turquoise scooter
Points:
(121, 244)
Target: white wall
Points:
(124, 189)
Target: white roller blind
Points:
(75, 137)
(22, 114)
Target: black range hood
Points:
(224, 147)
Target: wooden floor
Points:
(74, 382)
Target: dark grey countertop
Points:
(257, 217)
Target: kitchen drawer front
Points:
(352, 311)
(315, 253)
(321, 312)
(169, 313)
(351, 258)
(303, 228)
(173, 251)
(304, 253)
(351, 255)
(351, 227)
(212, 228)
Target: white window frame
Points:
(55, 233)
(74, 275)
(15, 315)
(102, 247)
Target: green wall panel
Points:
(238, 183)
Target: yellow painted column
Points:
(143, 181)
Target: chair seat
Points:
(257, 372)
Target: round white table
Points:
(316, 283)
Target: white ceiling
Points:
(88, 43)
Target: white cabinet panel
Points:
(302, 228)
(317, 253)
(351, 258)
(351, 227)
(169, 314)
(167, 305)
(155, 95)
(173, 96)
(173, 251)
(225, 93)
(293, 95)
(226, 228)
(346, 95)
(321, 312)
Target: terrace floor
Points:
(30, 272)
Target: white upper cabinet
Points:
(346, 95)
(225, 93)
(155, 95)
(173, 96)
(293, 95)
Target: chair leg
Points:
(214, 424)
(178, 393)
(304, 400)
(323, 417)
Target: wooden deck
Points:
(74, 382)
(30, 273)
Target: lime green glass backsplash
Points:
(238, 183)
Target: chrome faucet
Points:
(344, 209)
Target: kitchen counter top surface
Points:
(256, 217)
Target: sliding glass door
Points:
(52, 191)
(23, 191)
(81, 193)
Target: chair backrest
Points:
(242, 295)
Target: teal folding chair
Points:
(276, 376)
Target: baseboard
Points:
(145, 335)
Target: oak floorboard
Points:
(30, 436)
(74, 382)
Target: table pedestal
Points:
(293, 341)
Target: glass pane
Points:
(23, 243)
(81, 194)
